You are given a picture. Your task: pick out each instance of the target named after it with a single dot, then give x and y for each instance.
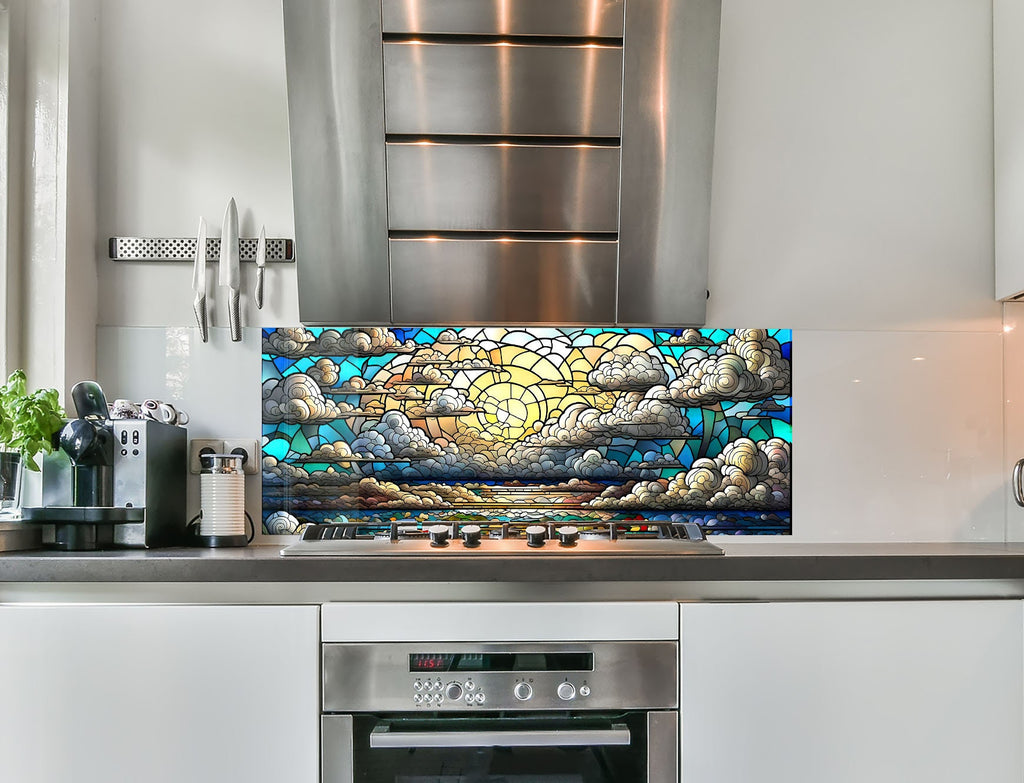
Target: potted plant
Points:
(28, 423)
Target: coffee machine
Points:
(114, 482)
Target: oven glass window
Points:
(482, 759)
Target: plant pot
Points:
(11, 469)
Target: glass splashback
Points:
(491, 424)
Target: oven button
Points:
(566, 691)
(522, 691)
(453, 692)
(479, 698)
(438, 698)
(417, 686)
(470, 685)
(469, 699)
(584, 690)
(417, 699)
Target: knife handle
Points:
(258, 295)
(234, 317)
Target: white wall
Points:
(852, 202)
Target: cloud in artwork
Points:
(747, 475)
(426, 356)
(358, 385)
(369, 341)
(331, 452)
(297, 399)
(324, 372)
(393, 437)
(292, 342)
(428, 374)
(451, 337)
(447, 402)
(748, 366)
(689, 337)
(628, 372)
(296, 342)
(633, 416)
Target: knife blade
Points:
(199, 281)
(261, 262)
(229, 273)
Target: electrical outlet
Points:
(198, 446)
(249, 448)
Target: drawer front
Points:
(502, 89)
(502, 187)
(595, 18)
(495, 281)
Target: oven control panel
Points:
(514, 676)
(441, 692)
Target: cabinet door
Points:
(852, 692)
(162, 694)
(1008, 119)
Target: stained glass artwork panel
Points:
(499, 424)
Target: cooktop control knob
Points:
(566, 691)
(535, 535)
(522, 691)
(568, 535)
(470, 535)
(438, 535)
(453, 692)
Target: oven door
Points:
(630, 747)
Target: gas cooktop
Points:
(533, 538)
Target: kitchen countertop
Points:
(749, 570)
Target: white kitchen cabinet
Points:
(1008, 128)
(849, 692)
(161, 694)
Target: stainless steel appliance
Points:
(502, 711)
(502, 161)
(458, 539)
(112, 482)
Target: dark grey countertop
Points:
(766, 561)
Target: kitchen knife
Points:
(199, 281)
(261, 262)
(229, 275)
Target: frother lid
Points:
(220, 463)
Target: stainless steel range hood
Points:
(502, 161)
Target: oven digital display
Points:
(502, 662)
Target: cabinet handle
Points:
(1018, 487)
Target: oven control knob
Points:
(453, 692)
(584, 690)
(566, 691)
(470, 535)
(535, 535)
(568, 535)
(438, 535)
(522, 691)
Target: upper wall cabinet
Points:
(1008, 106)
(502, 161)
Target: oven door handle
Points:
(383, 737)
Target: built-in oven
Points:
(518, 712)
